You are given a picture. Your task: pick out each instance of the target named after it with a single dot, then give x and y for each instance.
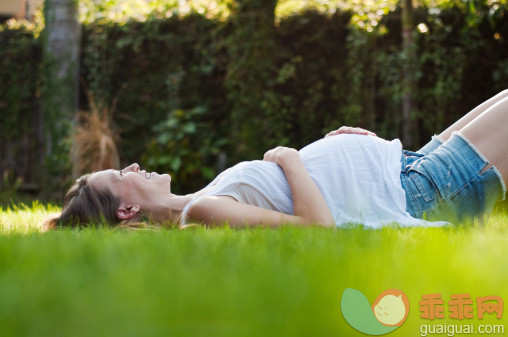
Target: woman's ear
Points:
(126, 212)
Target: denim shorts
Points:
(445, 182)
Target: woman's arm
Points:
(309, 204)
(219, 210)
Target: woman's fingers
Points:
(280, 154)
(271, 154)
(350, 130)
(268, 155)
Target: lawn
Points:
(224, 282)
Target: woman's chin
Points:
(166, 177)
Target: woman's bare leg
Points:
(488, 132)
(469, 117)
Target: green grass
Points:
(223, 282)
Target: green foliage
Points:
(20, 67)
(314, 94)
(20, 59)
(119, 67)
(441, 65)
(185, 147)
(56, 173)
(189, 89)
(250, 72)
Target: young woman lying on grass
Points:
(350, 176)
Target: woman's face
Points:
(134, 186)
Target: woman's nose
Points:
(132, 167)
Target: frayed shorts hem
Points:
(447, 183)
(493, 168)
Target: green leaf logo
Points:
(387, 313)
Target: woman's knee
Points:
(503, 102)
(503, 94)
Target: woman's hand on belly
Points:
(350, 130)
(308, 201)
(283, 156)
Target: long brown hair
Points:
(85, 205)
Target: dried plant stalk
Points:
(94, 142)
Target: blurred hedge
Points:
(194, 95)
(20, 117)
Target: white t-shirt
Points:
(359, 177)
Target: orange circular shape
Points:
(399, 296)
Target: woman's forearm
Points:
(308, 201)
